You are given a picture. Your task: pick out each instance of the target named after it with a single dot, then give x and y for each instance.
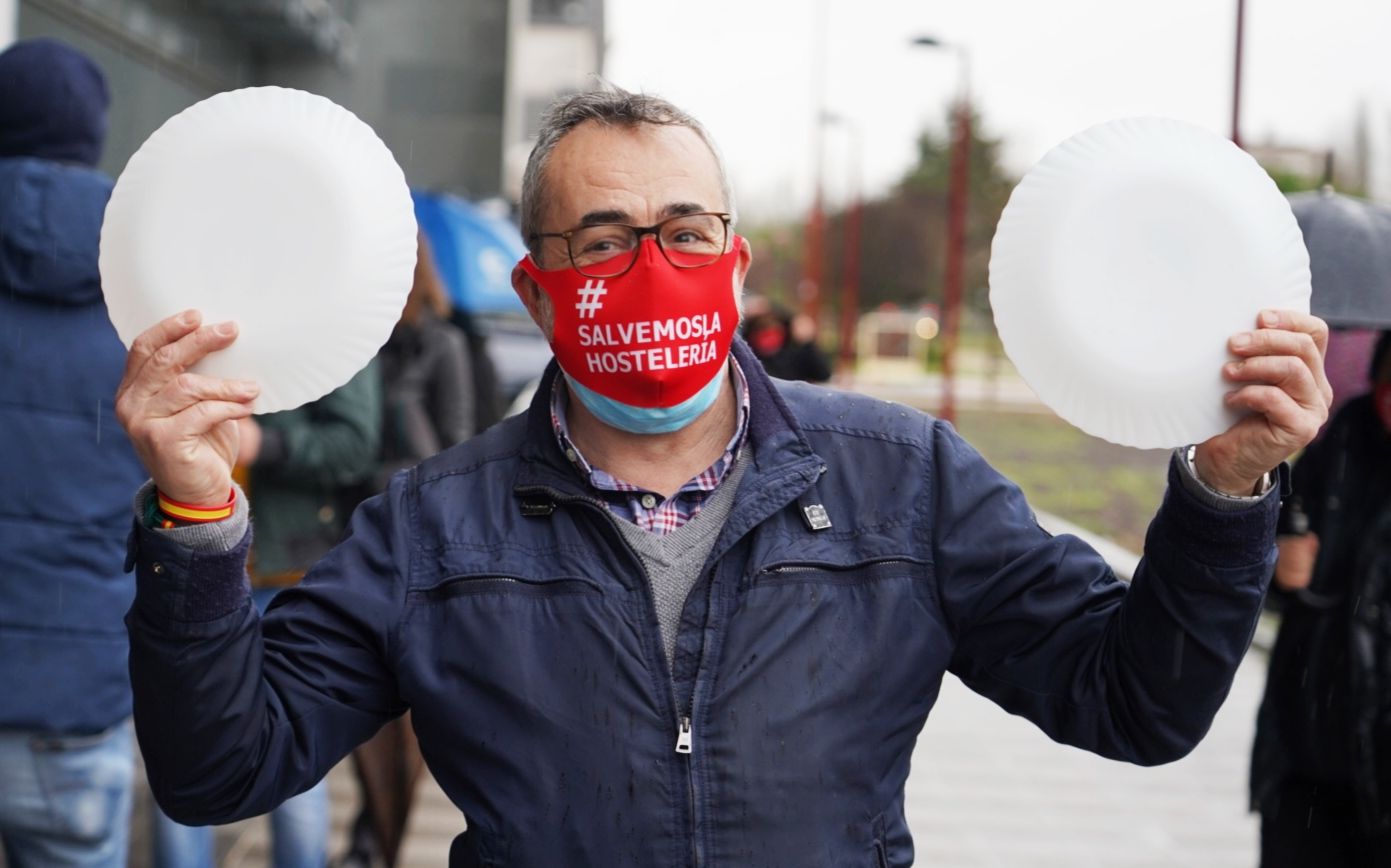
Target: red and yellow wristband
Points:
(187, 513)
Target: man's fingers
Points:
(189, 388)
(1294, 321)
(1288, 373)
(204, 416)
(170, 360)
(166, 331)
(1279, 409)
(1290, 335)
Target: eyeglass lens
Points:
(687, 241)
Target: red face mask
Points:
(652, 337)
(1381, 399)
(767, 340)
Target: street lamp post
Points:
(813, 263)
(850, 259)
(957, 195)
(1236, 73)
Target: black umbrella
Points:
(1349, 243)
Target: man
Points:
(66, 754)
(1321, 774)
(675, 614)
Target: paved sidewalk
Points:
(989, 789)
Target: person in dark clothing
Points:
(785, 343)
(427, 377)
(487, 395)
(65, 471)
(1321, 769)
(679, 612)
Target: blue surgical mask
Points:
(648, 420)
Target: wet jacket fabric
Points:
(488, 591)
(1326, 715)
(66, 467)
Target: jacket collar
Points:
(778, 444)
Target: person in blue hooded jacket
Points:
(66, 468)
(678, 613)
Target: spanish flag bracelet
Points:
(187, 512)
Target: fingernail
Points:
(1241, 341)
(225, 329)
(248, 386)
(1270, 318)
(1232, 367)
(188, 317)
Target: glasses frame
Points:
(654, 230)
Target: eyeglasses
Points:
(610, 249)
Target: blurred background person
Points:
(428, 400)
(305, 471)
(487, 395)
(784, 342)
(1321, 767)
(66, 754)
(427, 376)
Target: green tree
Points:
(908, 228)
(903, 233)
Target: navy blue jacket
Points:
(489, 592)
(66, 467)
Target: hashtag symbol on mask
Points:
(589, 301)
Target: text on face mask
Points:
(655, 359)
(696, 327)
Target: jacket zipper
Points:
(832, 569)
(684, 728)
(458, 585)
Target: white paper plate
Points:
(277, 209)
(1122, 264)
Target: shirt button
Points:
(648, 501)
(570, 454)
(157, 568)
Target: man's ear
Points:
(741, 268)
(530, 294)
(741, 271)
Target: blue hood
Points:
(50, 224)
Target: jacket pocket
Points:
(881, 846)
(476, 848)
(837, 574)
(509, 585)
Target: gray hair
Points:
(611, 106)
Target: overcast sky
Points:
(1040, 71)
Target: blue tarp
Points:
(475, 251)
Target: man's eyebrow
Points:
(594, 217)
(679, 208)
(613, 216)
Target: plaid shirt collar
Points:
(648, 509)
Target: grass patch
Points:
(1108, 489)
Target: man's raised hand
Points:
(183, 425)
